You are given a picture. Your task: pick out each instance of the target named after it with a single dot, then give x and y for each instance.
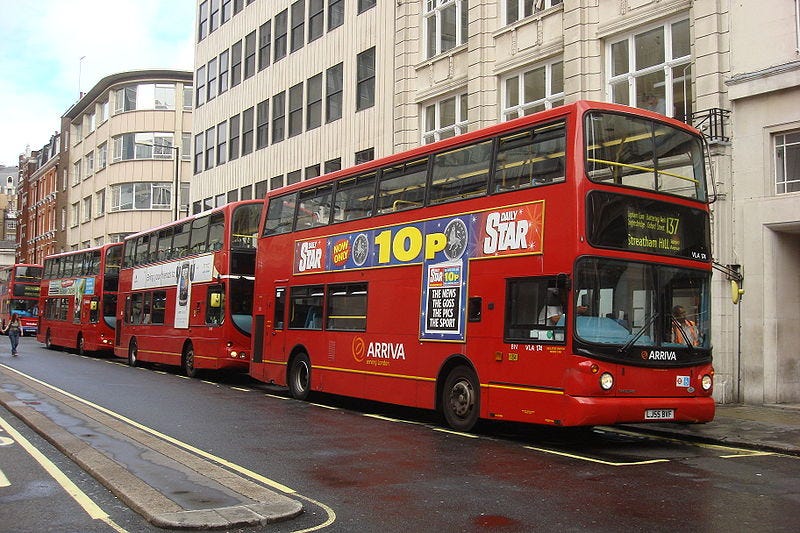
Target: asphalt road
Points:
(359, 466)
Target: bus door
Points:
(275, 326)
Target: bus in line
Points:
(78, 299)
(531, 271)
(19, 293)
(186, 291)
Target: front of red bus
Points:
(641, 285)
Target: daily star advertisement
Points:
(179, 274)
(443, 245)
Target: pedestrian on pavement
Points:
(13, 329)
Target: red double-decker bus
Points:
(186, 291)
(554, 269)
(19, 293)
(78, 299)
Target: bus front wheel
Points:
(300, 377)
(48, 342)
(461, 399)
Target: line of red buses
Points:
(554, 269)
(19, 293)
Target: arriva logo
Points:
(377, 350)
(659, 355)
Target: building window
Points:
(87, 209)
(186, 146)
(76, 172)
(250, 54)
(334, 87)
(445, 118)
(214, 19)
(652, 70)
(533, 91)
(156, 145)
(100, 202)
(222, 143)
(141, 196)
(147, 96)
(264, 45)
(200, 83)
(278, 117)
(365, 155)
(234, 131)
(248, 119)
(102, 156)
(364, 5)
(211, 79)
(224, 58)
(312, 171)
(296, 110)
(316, 19)
(236, 64)
(262, 124)
(314, 102)
(787, 162)
(188, 90)
(445, 25)
(332, 165)
(89, 159)
(210, 145)
(294, 176)
(202, 22)
(298, 25)
(335, 14)
(198, 153)
(281, 20)
(365, 79)
(518, 9)
(103, 111)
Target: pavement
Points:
(772, 427)
(184, 488)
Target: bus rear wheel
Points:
(187, 362)
(461, 399)
(300, 377)
(48, 342)
(133, 351)
(81, 347)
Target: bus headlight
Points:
(234, 354)
(606, 381)
(706, 382)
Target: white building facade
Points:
(128, 150)
(286, 90)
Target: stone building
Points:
(286, 90)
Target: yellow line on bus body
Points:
(91, 508)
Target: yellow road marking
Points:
(80, 497)
(593, 460)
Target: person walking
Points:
(13, 329)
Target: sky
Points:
(41, 70)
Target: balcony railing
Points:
(712, 123)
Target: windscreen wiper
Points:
(647, 323)
(686, 340)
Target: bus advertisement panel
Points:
(554, 269)
(186, 291)
(19, 293)
(78, 299)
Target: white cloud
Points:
(45, 40)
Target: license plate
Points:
(659, 414)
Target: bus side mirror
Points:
(736, 292)
(215, 300)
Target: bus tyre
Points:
(81, 346)
(300, 377)
(187, 362)
(461, 399)
(133, 351)
(48, 343)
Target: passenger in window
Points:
(684, 331)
